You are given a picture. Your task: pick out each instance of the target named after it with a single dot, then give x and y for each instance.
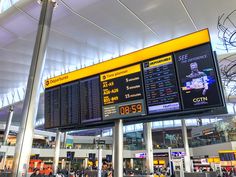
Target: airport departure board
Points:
(161, 85)
(90, 100)
(138, 86)
(48, 108)
(70, 104)
(122, 93)
(52, 107)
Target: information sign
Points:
(161, 85)
(122, 93)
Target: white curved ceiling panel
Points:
(206, 14)
(117, 19)
(20, 24)
(167, 17)
(6, 37)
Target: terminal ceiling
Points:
(85, 32)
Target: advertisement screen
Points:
(197, 77)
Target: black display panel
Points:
(122, 93)
(161, 85)
(92, 157)
(52, 107)
(70, 155)
(109, 158)
(70, 107)
(197, 78)
(56, 107)
(90, 100)
(48, 108)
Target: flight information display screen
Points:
(90, 100)
(197, 76)
(52, 107)
(122, 93)
(48, 108)
(70, 106)
(174, 83)
(161, 85)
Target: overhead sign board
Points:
(177, 77)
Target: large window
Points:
(158, 124)
(191, 122)
(168, 123)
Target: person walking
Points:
(36, 173)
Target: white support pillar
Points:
(8, 125)
(99, 161)
(30, 107)
(132, 163)
(181, 168)
(64, 140)
(57, 152)
(170, 160)
(86, 163)
(118, 158)
(63, 164)
(187, 161)
(4, 160)
(147, 131)
(113, 147)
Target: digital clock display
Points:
(131, 109)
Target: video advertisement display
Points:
(197, 77)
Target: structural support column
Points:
(147, 131)
(187, 161)
(113, 147)
(170, 161)
(118, 157)
(63, 164)
(8, 124)
(99, 161)
(132, 164)
(30, 106)
(57, 152)
(64, 140)
(86, 163)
